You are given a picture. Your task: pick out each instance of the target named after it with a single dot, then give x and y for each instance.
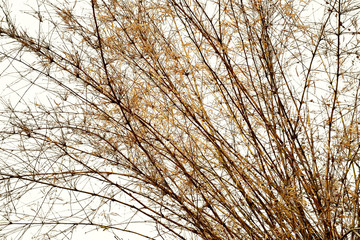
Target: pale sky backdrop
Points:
(21, 10)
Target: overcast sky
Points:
(21, 10)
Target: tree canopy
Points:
(207, 119)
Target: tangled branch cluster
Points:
(209, 119)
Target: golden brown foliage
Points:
(212, 119)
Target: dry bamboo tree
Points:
(209, 119)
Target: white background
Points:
(21, 10)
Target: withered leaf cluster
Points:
(205, 119)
